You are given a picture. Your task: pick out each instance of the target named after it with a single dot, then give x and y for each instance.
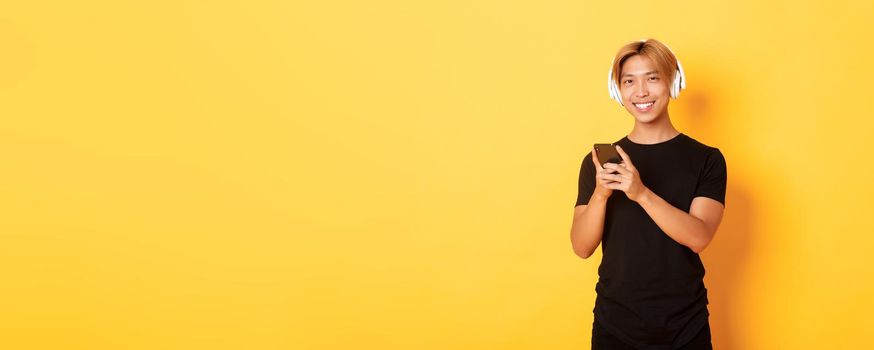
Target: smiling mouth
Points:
(644, 105)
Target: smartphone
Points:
(607, 153)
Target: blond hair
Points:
(658, 53)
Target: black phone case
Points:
(607, 153)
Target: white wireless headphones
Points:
(677, 84)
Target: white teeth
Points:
(644, 106)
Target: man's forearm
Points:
(679, 225)
(586, 232)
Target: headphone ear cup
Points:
(613, 89)
(681, 78)
(617, 93)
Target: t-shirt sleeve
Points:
(713, 178)
(586, 185)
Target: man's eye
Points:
(656, 78)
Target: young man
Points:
(652, 214)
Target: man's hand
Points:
(627, 180)
(601, 179)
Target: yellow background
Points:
(401, 175)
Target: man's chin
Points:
(645, 117)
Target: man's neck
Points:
(649, 134)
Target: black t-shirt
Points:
(650, 290)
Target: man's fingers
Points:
(625, 157)
(620, 168)
(595, 159)
(607, 178)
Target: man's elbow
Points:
(709, 232)
(699, 247)
(582, 253)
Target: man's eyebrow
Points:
(646, 73)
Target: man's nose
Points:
(642, 90)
